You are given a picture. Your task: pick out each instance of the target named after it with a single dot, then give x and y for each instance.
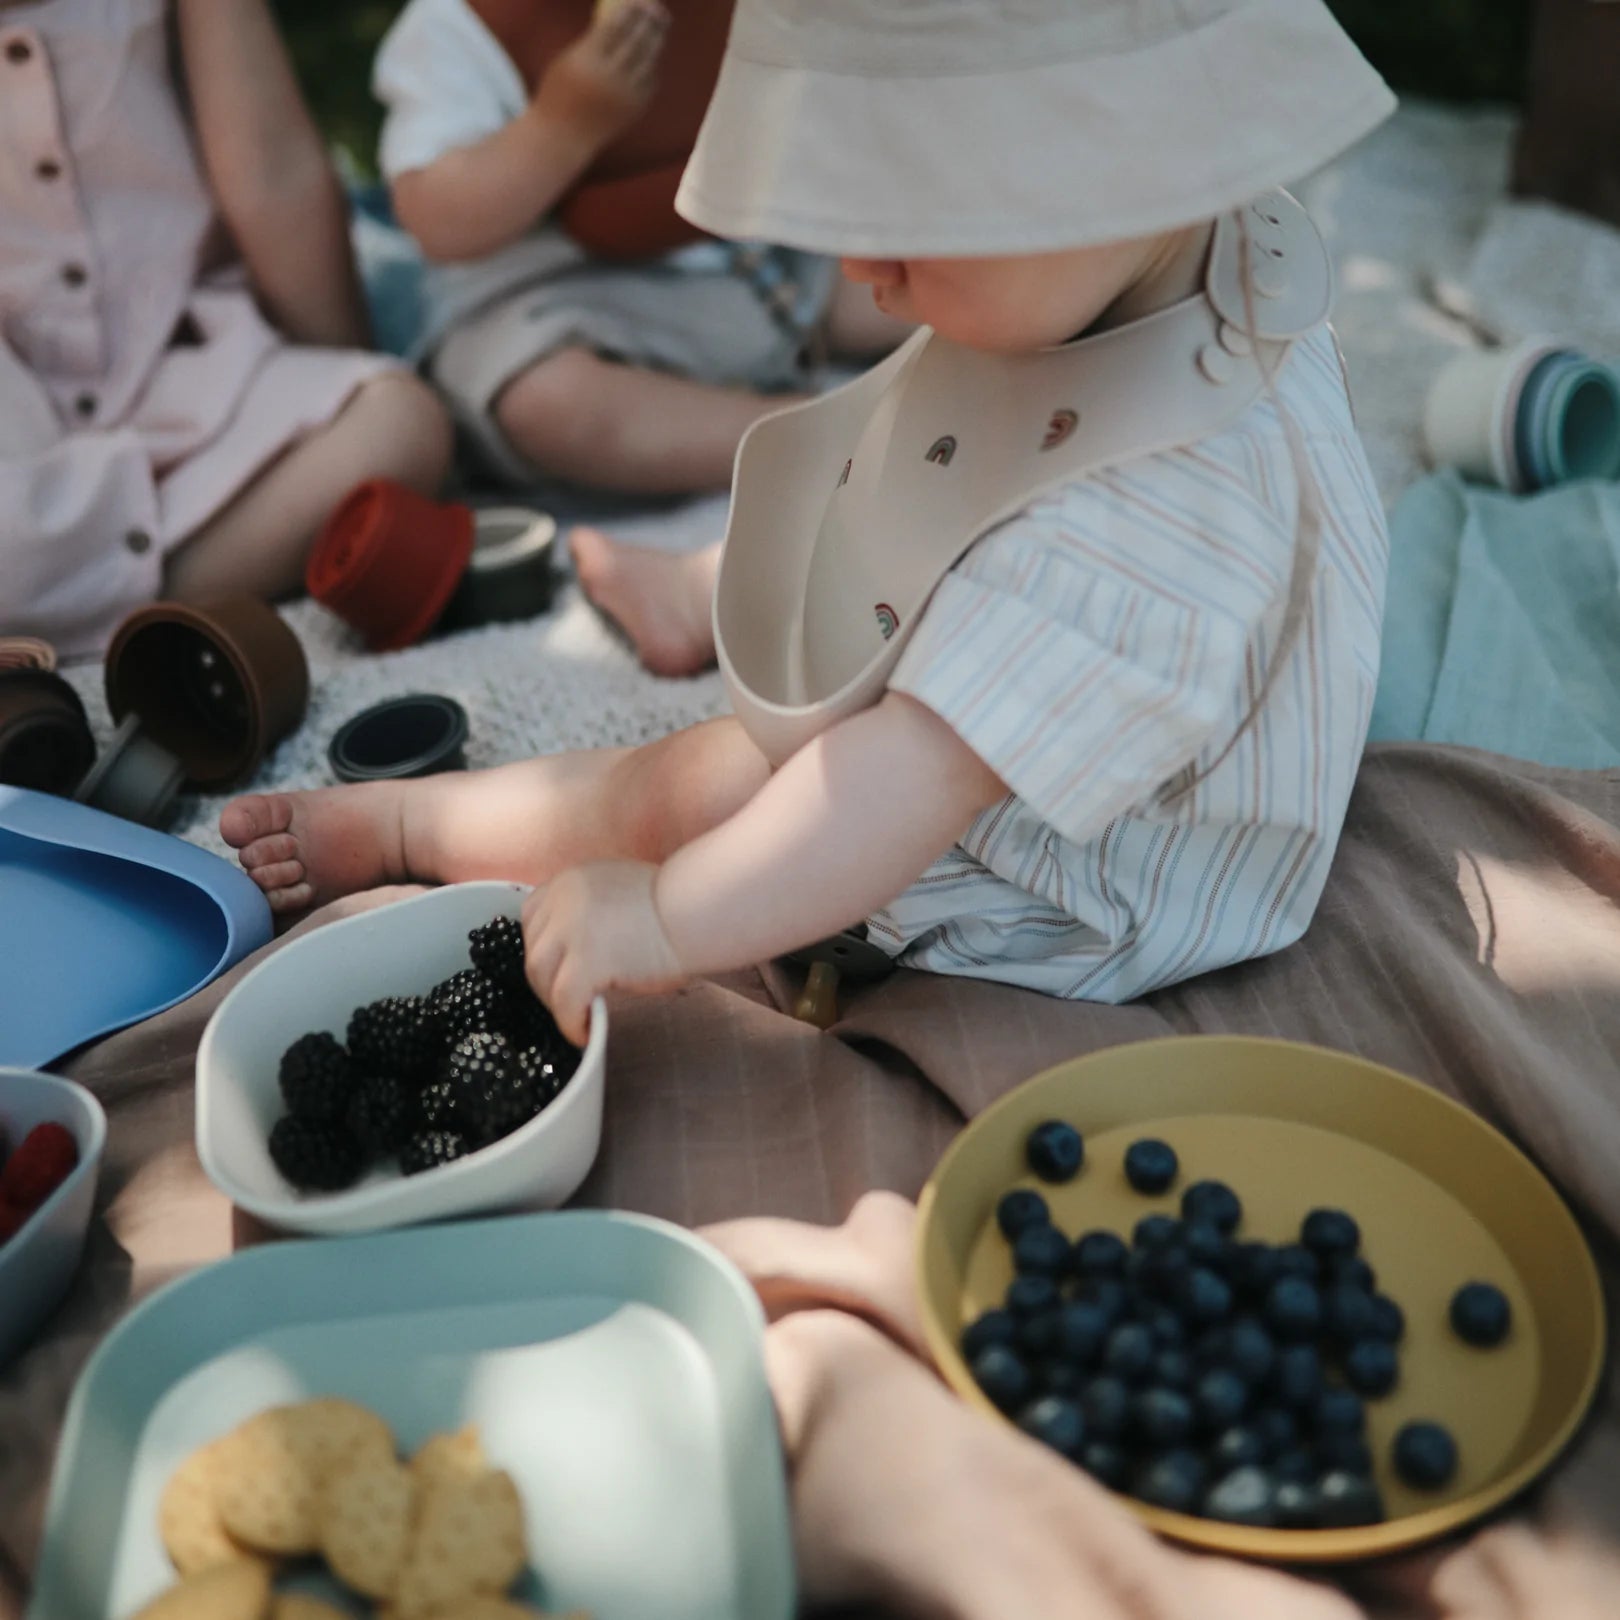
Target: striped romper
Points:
(1103, 648)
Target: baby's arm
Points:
(473, 201)
(269, 171)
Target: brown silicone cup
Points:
(217, 684)
(389, 560)
(45, 740)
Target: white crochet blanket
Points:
(1432, 258)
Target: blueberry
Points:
(1151, 1165)
(1372, 1367)
(1330, 1233)
(1055, 1151)
(1156, 1231)
(1055, 1422)
(1237, 1447)
(1107, 1407)
(1205, 1298)
(1162, 1417)
(1029, 1296)
(1174, 1480)
(1254, 1269)
(1168, 1330)
(1425, 1456)
(1298, 1504)
(1212, 1347)
(1212, 1201)
(1041, 1251)
(1348, 1313)
(1296, 1465)
(1038, 1334)
(1221, 1398)
(1082, 1331)
(1298, 1378)
(1168, 1273)
(1295, 1260)
(1247, 1495)
(1021, 1208)
(1277, 1429)
(1388, 1320)
(1339, 1411)
(1294, 1309)
(1349, 1499)
(994, 1327)
(1129, 1352)
(1099, 1254)
(1107, 1463)
(1207, 1245)
(1004, 1376)
(1173, 1369)
(1353, 1271)
(1107, 1294)
(1480, 1314)
(1348, 1453)
(1059, 1377)
(1251, 1352)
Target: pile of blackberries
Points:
(424, 1079)
(1197, 1371)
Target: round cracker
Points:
(235, 1591)
(451, 1455)
(366, 1510)
(189, 1525)
(468, 1541)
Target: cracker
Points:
(234, 1591)
(457, 1455)
(189, 1525)
(365, 1522)
(468, 1541)
(498, 1608)
(295, 1606)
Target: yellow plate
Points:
(1442, 1199)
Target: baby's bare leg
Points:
(613, 426)
(525, 822)
(392, 427)
(662, 600)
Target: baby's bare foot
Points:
(660, 599)
(304, 849)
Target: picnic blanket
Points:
(1469, 935)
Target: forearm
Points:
(839, 831)
(482, 198)
(268, 171)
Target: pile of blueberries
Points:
(1199, 1372)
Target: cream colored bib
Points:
(847, 511)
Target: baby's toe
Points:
(254, 816)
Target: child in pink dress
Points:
(184, 395)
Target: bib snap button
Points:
(1270, 284)
(1215, 363)
(1235, 340)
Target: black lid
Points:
(417, 735)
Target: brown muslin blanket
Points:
(1470, 936)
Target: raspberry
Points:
(315, 1154)
(43, 1161)
(382, 1114)
(316, 1077)
(430, 1149)
(401, 1035)
(496, 950)
(470, 1002)
(493, 1093)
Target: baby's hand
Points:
(596, 928)
(602, 83)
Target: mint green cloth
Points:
(1502, 622)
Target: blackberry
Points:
(529, 1023)
(542, 1074)
(469, 1002)
(492, 1096)
(316, 1077)
(401, 1035)
(382, 1114)
(314, 1154)
(427, 1150)
(496, 950)
(436, 1106)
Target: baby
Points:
(578, 329)
(183, 399)
(1051, 657)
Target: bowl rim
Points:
(91, 1139)
(1304, 1547)
(366, 1198)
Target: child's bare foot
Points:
(304, 849)
(660, 599)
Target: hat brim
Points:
(1059, 155)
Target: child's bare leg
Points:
(392, 427)
(660, 599)
(525, 822)
(613, 426)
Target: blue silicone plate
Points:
(103, 923)
(611, 1363)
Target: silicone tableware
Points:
(38, 1262)
(611, 1363)
(315, 982)
(416, 735)
(103, 923)
(1441, 1198)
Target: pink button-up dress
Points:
(140, 387)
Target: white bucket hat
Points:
(942, 128)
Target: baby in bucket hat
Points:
(1052, 640)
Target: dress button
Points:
(85, 405)
(47, 169)
(1215, 363)
(19, 51)
(138, 541)
(75, 275)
